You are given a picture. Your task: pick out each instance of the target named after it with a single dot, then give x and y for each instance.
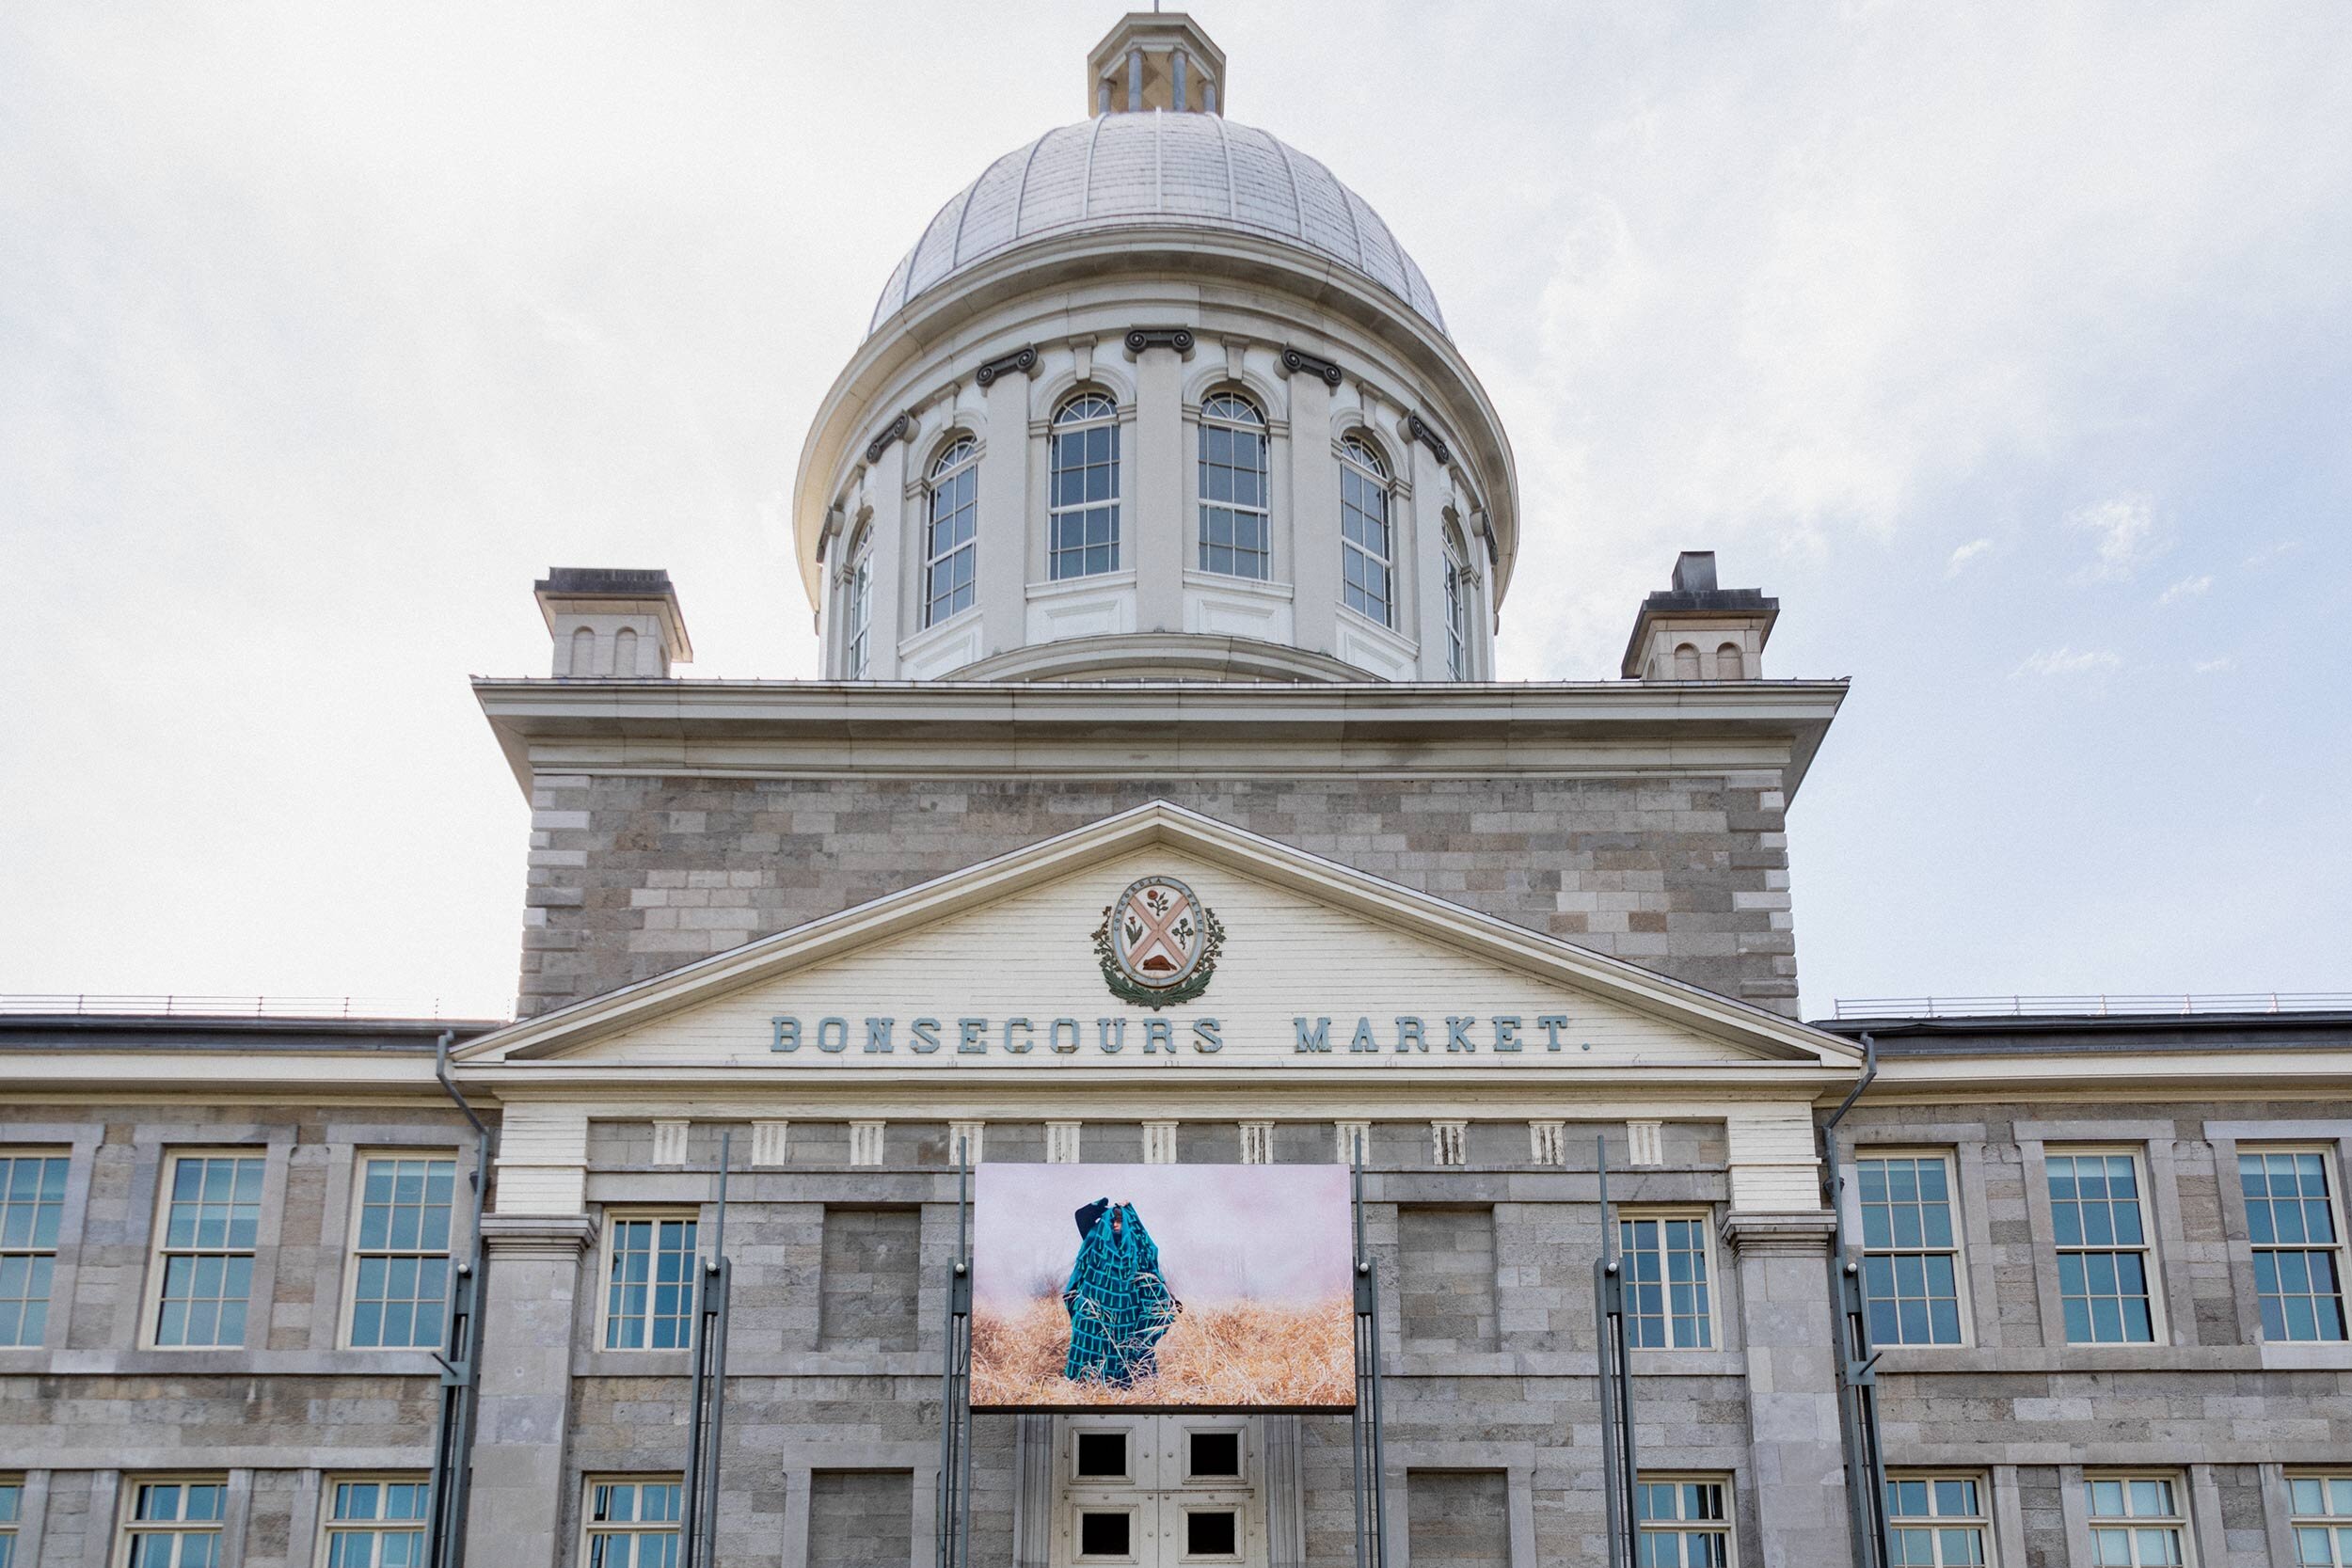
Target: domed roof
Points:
(1122, 170)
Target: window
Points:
(1728, 664)
(1937, 1521)
(1365, 531)
(2322, 1520)
(11, 1512)
(633, 1523)
(175, 1524)
(1665, 1281)
(400, 1270)
(649, 1303)
(948, 550)
(377, 1523)
(1909, 1250)
(1683, 1524)
(1233, 508)
(211, 1224)
(1082, 506)
(32, 1201)
(2102, 1249)
(1687, 663)
(857, 607)
(2291, 1219)
(1457, 606)
(2137, 1522)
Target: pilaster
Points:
(532, 1287)
(1314, 509)
(1798, 1450)
(887, 486)
(1002, 569)
(1157, 545)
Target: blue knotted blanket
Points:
(1119, 1304)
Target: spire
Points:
(1151, 60)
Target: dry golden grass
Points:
(1242, 1353)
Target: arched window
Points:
(947, 542)
(1687, 663)
(1458, 604)
(1727, 664)
(1082, 504)
(625, 652)
(584, 651)
(1364, 545)
(857, 607)
(1234, 537)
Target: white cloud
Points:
(1962, 556)
(2269, 553)
(2214, 666)
(2187, 588)
(2068, 661)
(2125, 535)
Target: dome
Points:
(1154, 168)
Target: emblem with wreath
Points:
(1158, 906)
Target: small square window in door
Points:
(1216, 1454)
(1106, 1534)
(1102, 1455)
(1212, 1532)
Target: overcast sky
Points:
(2010, 345)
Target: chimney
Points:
(1696, 631)
(612, 625)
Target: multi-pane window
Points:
(633, 1524)
(949, 547)
(211, 1224)
(377, 1523)
(1909, 1250)
(11, 1515)
(1936, 1521)
(1234, 510)
(1364, 545)
(1457, 606)
(857, 607)
(2322, 1507)
(1683, 1524)
(2137, 1522)
(400, 1269)
(32, 1202)
(175, 1524)
(1082, 500)
(1665, 1277)
(2291, 1220)
(649, 1298)
(2102, 1235)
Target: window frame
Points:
(354, 1254)
(590, 1529)
(12, 1527)
(614, 1219)
(1460, 605)
(151, 1315)
(1726, 1527)
(1957, 1250)
(2179, 1521)
(2338, 1525)
(1261, 427)
(32, 1249)
(1704, 1218)
(2329, 1157)
(2151, 1258)
(1056, 510)
(1988, 1554)
(857, 604)
(1382, 474)
(958, 459)
(330, 1526)
(128, 1527)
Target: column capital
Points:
(1791, 1235)
(559, 1236)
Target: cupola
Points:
(1155, 61)
(1697, 631)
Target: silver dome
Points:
(1120, 170)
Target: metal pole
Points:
(723, 1277)
(461, 1362)
(1379, 1441)
(964, 1348)
(1356, 1433)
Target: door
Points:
(1158, 1491)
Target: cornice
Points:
(1072, 729)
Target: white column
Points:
(1003, 566)
(1157, 510)
(1315, 506)
(1423, 588)
(887, 485)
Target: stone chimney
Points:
(1696, 631)
(609, 624)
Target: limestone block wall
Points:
(631, 876)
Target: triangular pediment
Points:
(996, 966)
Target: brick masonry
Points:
(631, 876)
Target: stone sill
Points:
(1972, 1361)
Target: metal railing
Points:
(2095, 1005)
(179, 1004)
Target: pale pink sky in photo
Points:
(1273, 1233)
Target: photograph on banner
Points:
(1162, 1287)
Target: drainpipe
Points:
(461, 1366)
(1857, 1373)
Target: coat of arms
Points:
(1158, 943)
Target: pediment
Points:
(1321, 968)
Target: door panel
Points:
(1158, 1492)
